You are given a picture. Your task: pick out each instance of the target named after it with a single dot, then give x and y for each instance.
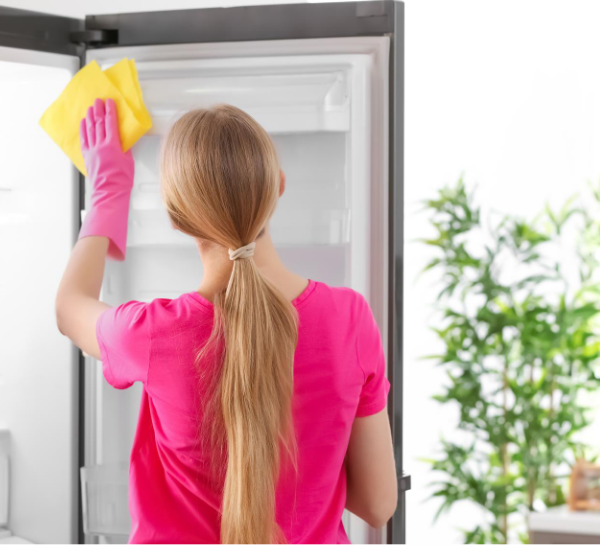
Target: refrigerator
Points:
(326, 82)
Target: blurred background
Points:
(505, 97)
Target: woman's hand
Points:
(104, 229)
(111, 171)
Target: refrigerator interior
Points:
(324, 103)
(38, 366)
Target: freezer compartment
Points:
(104, 495)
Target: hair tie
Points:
(243, 252)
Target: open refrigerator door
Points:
(39, 368)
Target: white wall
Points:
(506, 92)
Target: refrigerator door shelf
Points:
(105, 500)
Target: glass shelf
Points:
(298, 227)
(275, 120)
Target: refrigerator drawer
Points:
(105, 500)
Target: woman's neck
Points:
(217, 268)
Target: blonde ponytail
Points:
(220, 182)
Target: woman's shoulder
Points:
(342, 292)
(340, 298)
(161, 312)
(174, 304)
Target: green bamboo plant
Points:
(520, 333)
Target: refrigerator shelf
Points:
(296, 227)
(313, 161)
(275, 120)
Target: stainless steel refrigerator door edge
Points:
(397, 530)
(241, 23)
(23, 29)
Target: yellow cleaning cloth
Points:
(119, 82)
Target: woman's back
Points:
(339, 373)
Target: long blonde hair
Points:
(220, 182)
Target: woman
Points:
(263, 409)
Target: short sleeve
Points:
(371, 359)
(123, 335)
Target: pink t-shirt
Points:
(339, 374)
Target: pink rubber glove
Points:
(111, 171)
